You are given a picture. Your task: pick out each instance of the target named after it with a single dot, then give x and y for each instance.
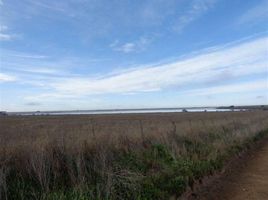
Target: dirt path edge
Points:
(210, 184)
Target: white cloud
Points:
(255, 14)
(6, 78)
(235, 61)
(135, 46)
(126, 48)
(3, 35)
(250, 86)
(31, 67)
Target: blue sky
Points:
(100, 54)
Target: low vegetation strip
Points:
(122, 166)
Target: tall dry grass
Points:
(114, 156)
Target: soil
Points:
(246, 179)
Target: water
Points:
(126, 111)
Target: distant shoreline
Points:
(144, 110)
(126, 111)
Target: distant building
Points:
(184, 110)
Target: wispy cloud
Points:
(238, 60)
(37, 70)
(3, 28)
(101, 19)
(24, 62)
(255, 14)
(50, 96)
(4, 35)
(197, 8)
(128, 47)
(249, 86)
(55, 6)
(23, 55)
(33, 103)
(261, 97)
(6, 77)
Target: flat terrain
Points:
(247, 180)
(130, 156)
(24, 128)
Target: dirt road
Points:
(248, 180)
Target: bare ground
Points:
(245, 180)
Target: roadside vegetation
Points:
(139, 157)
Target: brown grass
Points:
(58, 152)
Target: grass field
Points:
(129, 156)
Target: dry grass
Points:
(114, 156)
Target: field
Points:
(128, 156)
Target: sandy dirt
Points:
(247, 180)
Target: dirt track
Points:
(248, 180)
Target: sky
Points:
(110, 54)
